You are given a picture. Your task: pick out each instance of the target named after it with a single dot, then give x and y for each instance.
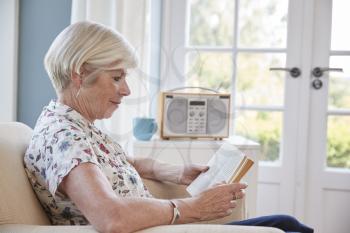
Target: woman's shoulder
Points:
(55, 133)
(50, 121)
(58, 117)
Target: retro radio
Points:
(194, 115)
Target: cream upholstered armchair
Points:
(21, 212)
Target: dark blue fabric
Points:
(284, 222)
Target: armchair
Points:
(21, 212)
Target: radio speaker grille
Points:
(177, 115)
(217, 116)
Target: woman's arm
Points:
(153, 169)
(90, 190)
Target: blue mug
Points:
(144, 128)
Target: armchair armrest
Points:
(165, 190)
(186, 228)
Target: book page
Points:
(221, 168)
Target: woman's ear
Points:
(76, 79)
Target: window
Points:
(230, 46)
(338, 131)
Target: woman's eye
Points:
(117, 78)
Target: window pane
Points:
(338, 142)
(210, 70)
(263, 127)
(211, 22)
(255, 84)
(263, 23)
(340, 19)
(339, 83)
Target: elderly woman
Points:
(80, 175)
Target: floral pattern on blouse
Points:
(62, 140)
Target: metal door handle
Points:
(318, 71)
(294, 72)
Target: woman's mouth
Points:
(115, 102)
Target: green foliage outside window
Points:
(338, 142)
(261, 24)
(262, 127)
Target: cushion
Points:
(18, 202)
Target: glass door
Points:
(301, 121)
(328, 192)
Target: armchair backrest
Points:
(18, 202)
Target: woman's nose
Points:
(124, 89)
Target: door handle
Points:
(318, 71)
(294, 72)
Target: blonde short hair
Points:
(86, 43)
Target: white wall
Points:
(8, 59)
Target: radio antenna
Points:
(192, 87)
(219, 87)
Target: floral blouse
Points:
(62, 140)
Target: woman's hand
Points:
(190, 172)
(153, 169)
(215, 202)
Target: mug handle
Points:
(154, 127)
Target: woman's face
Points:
(103, 97)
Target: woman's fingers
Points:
(231, 188)
(238, 195)
(190, 172)
(204, 168)
(199, 168)
(220, 183)
(236, 187)
(218, 200)
(233, 204)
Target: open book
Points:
(228, 164)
